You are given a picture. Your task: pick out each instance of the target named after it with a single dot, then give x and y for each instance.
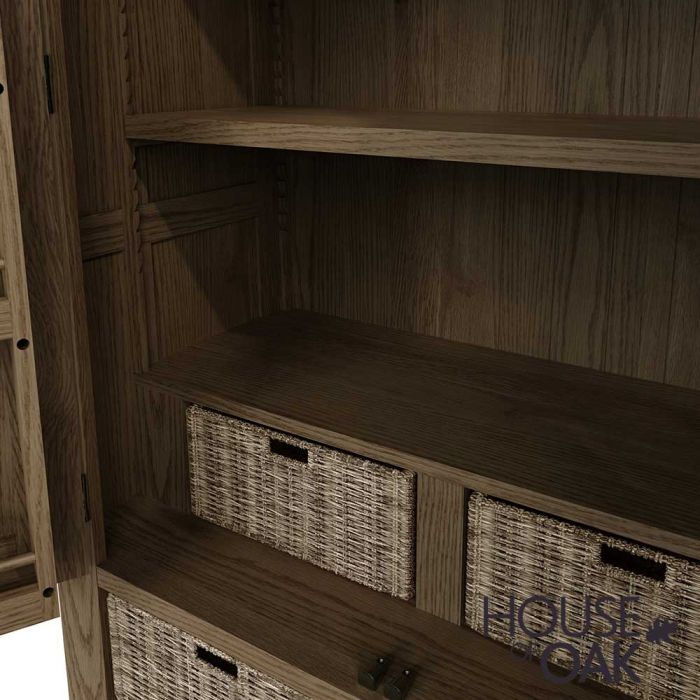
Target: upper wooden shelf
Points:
(611, 452)
(659, 146)
(304, 626)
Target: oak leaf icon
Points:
(661, 631)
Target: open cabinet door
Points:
(27, 570)
(50, 507)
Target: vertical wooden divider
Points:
(440, 548)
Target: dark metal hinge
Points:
(86, 500)
(48, 79)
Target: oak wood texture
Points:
(164, 219)
(102, 234)
(27, 417)
(625, 145)
(440, 541)
(5, 320)
(500, 235)
(17, 562)
(566, 266)
(23, 607)
(296, 622)
(84, 638)
(606, 451)
(684, 339)
(46, 186)
(14, 525)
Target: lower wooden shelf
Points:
(302, 625)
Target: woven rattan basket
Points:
(513, 551)
(153, 660)
(349, 515)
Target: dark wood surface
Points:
(440, 548)
(585, 268)
(614, 453)
(614, 144)
(305, 626)
(46, 185)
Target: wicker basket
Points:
(153, 660)
(515, 551)
(349, 515)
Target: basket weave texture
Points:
(515, 551)
(349, 515)
(153, 660)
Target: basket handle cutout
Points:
(633, 563)
(217, 662)
(284, 449)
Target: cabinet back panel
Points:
(592, 56)
(572, 267)
(590, 269)
(187, 54)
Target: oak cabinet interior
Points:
(507, 186)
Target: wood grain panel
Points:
(642, 262)
(53, 259)
(93, 57)
(167, 475)
(440, 542)
(205, 283)
(564, 57)
(14, 527)
(694, 92)
(263, 16)
(102, 234)
(165, 219)
(24, 415)
(369, 251)
(5, 320)
(659, 53)
(82, 638)
(187, 55)
(571, 289)
(299, 623)
(469, 267)
(525, 275)
(582, 251)
(461, 70)
(583, 445)
(654, 147)
(24, 607)
(108, 309)
(173, 170)
(351, 34)
(683, 366)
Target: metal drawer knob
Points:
(370, 678)
(397, 689)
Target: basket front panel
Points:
(153, 660)
(349, 515)
(513, 551)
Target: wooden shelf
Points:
(305, 626)
(614, 453)
(659, 146)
